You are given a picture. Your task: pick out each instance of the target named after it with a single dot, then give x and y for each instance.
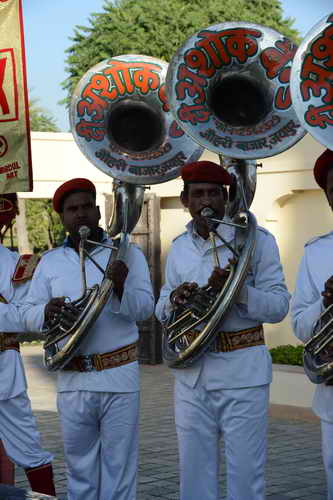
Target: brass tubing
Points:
(215, 254)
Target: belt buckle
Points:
(86, 363)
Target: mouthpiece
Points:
(84, 232)
(207, 212)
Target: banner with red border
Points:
(15, 144)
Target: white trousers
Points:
(100, 432)
(327, 450)
(18, 431)
(201, 418)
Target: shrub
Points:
(287, 354)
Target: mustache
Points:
(207, 212)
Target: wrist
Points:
(172, 297)
(326, 303)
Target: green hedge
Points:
(287, 355)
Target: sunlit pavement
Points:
(294, 471)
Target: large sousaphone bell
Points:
(228, 87)
(312, 81)
(120, 120)
(312, 95)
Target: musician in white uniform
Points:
(227, 390)
(98, 390)
(313, 294)
(18, 430)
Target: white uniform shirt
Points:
(12, 376)
(191, 259)
(58, 275)
(307, 305)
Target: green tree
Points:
(37, 227)
(41, 120)
(158, 27)
(45, 230)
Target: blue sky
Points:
(49, 24)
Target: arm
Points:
(267, 295)
(32, 310)
(172, 281)
(306, 303)
(10, 318)
(137, 300)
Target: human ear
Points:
(184, 199)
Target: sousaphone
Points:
(120, 120)
(228, 87)
(312, 81)
(312, 95)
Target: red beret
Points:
(8, 208)
(206, 171)
(68, 187)
(323, 163)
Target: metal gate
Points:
(146, 235)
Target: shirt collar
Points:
(226, 232)
(68, 242)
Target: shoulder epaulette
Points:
(25, 268)
(263, 229)
(316, 238)
(179, 236)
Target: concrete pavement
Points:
(294, 469)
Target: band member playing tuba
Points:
(98, 389)
(227, 389)
(313, 294)
(18, 429)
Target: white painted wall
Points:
(287, 202)
(291, 387)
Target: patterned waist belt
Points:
(7, 342)
(99, 362)
(232, 341)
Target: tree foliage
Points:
(287, 355)
(39, 226)
(45, 230)
(158, 27)
(41, 120)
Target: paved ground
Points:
(294, 468)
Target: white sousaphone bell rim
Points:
(153, 167)
(322, 135)
(269, 37)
